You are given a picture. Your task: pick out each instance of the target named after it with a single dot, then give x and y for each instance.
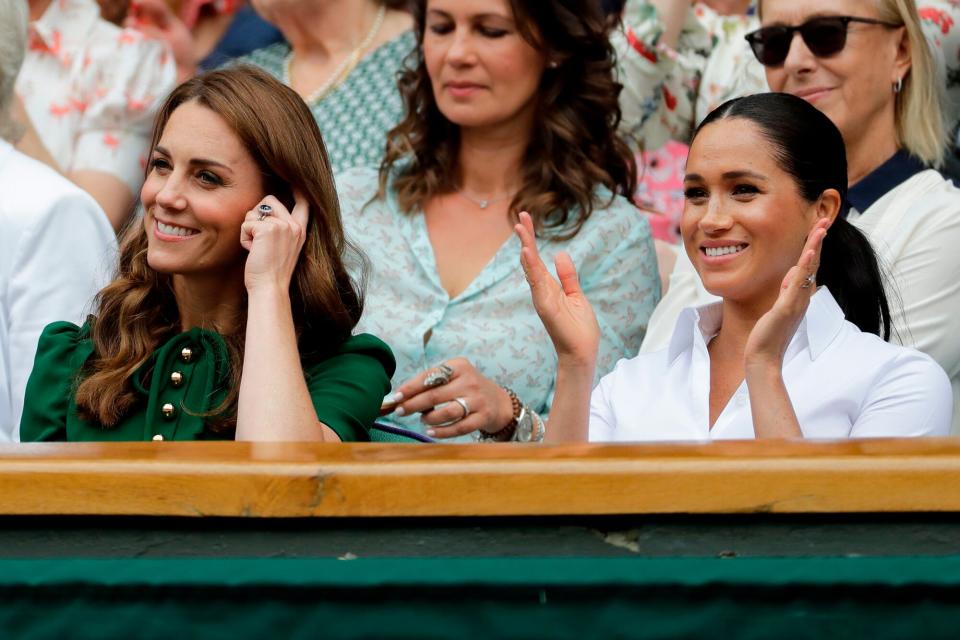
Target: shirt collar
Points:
(895, 171)
(820, 325)
(65, 23)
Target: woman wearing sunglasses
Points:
(867, 66)
(680, 60)
(796, 346)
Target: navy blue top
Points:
(898, 169)
(247, 32)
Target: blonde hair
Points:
(919, 108)
(921, 128)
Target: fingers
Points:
(416, 385)
(301, 209)
(567, 273)
(815, 240)
(533, 267)
(468, 425)
(445, 413)
(427, 399)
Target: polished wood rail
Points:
(382, 480)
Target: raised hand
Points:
(155, 19)
(770, 336)
(563, 308)
(274, 239)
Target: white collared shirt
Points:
(56, 250)
(843, 383)
(915, 230)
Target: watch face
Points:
(525, 427)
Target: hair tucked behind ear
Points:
(809, 147)
(137, 311)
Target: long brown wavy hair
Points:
(137, 312)
(575, 146)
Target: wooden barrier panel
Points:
(378, 480)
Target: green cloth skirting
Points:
(482, 598)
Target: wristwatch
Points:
(526, 425)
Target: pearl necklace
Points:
(346, 67)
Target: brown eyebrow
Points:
(729, 175)
(203, 162)
(479, 16)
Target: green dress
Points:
(356, 117)
(187, 378)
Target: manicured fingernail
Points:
(400, 411)
(431, 432)
(393, 398)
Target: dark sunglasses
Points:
(824, 36)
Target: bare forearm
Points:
(570, 413)
(770, 405)
(274, 403)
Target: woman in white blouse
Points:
(867, 66)
(778, 357)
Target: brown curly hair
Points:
(575, 146)
(137, 311)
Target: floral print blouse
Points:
(92, 90)
(493, 322)
(667, 92)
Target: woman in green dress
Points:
(232, 310)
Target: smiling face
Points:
(202, 182)
(482, 70)
(854, 87)
(744, 221)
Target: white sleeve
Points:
(927, 313)
(912, 397)
(602, 419)
(60, 264)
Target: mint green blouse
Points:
(186, 378)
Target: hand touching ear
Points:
(274, 240)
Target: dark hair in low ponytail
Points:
(809, 147)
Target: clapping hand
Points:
(770, 336)
(563, 308)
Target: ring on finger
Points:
(463, 405)
(809, 281)
(264, 210)
(448, 422)
(439, 376)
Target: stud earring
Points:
(898, 85)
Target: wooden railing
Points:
(373, 480)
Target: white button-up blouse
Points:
(843, 383)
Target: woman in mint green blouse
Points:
(510, 107)
(232, 312)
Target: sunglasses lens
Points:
(771, 45)
(824, 36)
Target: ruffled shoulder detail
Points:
(62, 350)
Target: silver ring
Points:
(438, 377)
(809, 281)
(265, 210)
(463, 405)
